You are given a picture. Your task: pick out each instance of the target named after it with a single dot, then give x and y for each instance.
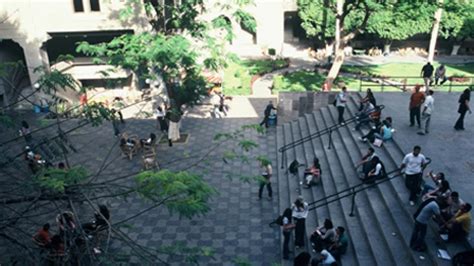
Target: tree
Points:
(458, 23)
(51, 191)
(176, 50)
(434, 31)
(319, 17)
(400, 20)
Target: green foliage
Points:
(171, 57)
(6, 120)
(402, 19)
(263, 160)
(247, 145)
(318, 16)
(96, 113)
(181, 192)
(298, 81)
(221, 22)
(457, 20)
(52, 80)
(191, 254)
(56, 180)
(238, 74)
(247, 22)
(239, 261)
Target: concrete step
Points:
(340, 210)
(392, 155)
(383, 201)
(318, 191)
(375, 234)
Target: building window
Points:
(78, 6)
(95, 6)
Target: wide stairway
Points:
(380, 228)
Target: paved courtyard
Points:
(236, 228)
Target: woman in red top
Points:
(312, 174)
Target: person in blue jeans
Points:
(422, 216)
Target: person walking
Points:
(267, 113)
(115, 123)
(300, 211)
(440, 74)
(428, 108)
(287, 228)
(463, 108)
(25, 131)
(160, 117)
(422, 216)
(427, 74)
(267, 175)
(341, 100)
(416, 100)
(413, 163)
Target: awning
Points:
(88, 72)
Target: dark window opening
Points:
(78, 6)
(95, 6)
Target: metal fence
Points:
(405, 83)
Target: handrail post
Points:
(383, 82)
(353, 203)
(360, 83)
(330, 139)
(450, 84)
(283, 159)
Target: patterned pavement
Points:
(236, 228)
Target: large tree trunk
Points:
(336, 66)
(434, 31)
(338, 49)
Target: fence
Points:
(405, 83)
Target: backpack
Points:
(279, 220)
(293, 168)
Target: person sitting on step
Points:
(459, 226)
(377, 170)
(366, 161)
(366, 115)
(313, 174)
(383, 131)
(340, 245)
(324, 236)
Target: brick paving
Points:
(237, 225)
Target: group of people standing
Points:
(421, 108)
(438, 202)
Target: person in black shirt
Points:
(427, 74)
(463, 108)
(267, 113)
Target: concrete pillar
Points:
(270, 24)
(35, 56)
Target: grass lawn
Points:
(311, 81)
(238, 75)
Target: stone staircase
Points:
(380, 228)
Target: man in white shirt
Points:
(428, 108)
(413, 163)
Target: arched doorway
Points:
(293, 32)
(14, 76)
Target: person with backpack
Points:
(287, 227)
(377, 171)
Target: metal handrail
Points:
(321, 132)
(363, 78)
(352, 191)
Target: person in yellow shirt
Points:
(460, 225)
